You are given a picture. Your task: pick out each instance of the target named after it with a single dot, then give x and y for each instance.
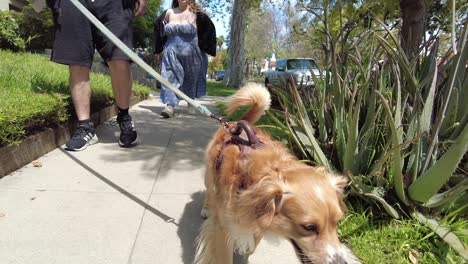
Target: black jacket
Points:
(206, 32)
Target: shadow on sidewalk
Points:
(132, 197)
(189, 227)
(183, 138)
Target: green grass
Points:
(215, 88)
(386, 240)
(34, 94)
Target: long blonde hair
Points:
(194, 7)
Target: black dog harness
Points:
(252, 142)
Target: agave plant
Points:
(397, 128)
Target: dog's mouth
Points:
(300, 253)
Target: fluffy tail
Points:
(254, 95)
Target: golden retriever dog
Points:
(259, 188)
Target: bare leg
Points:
(80, 90)
(122, 86)
(121, 82)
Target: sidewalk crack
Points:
(149, 197)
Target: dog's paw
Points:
(245, 247)
(244, 244)
(205, 213)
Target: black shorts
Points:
(76, 38)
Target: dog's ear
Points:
(339, 183)
(261, 202)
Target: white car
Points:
(298, 69)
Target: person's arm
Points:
(140, 7)
(167, 16)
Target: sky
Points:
(217, 21)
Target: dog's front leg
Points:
(209, 193)
(243, 258)
(214, 246)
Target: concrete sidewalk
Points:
(113, 205)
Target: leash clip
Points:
(223, 123)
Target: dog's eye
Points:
(311, 228)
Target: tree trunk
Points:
(235, 75)
(413, 13)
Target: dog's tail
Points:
(255, 95)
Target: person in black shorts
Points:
(75, 42)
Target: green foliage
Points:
(381, 119)
(218, 7)
(358, 16)
(394, 241)
(36, 27)
(439, 15)
(259, 36)
(219, 41)
(144, 25)
(34, 94)
(27, 30)
(219, 89)
(219, 62)
(10, 37)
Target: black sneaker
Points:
(128, 134)
(84, 136)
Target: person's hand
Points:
(140, 7)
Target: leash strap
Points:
(134, 57)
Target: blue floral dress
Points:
(184, 65)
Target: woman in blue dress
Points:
(185, 35)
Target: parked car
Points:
(300, 69)
(219, 75)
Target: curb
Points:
(13, 157)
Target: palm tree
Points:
(219, 42)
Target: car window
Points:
(280, 63)
(296, 64)
(310, 64)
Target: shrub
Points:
(37, 28)
(397, 127)
(10, 37)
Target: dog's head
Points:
(303, 205)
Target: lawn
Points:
(215, 88)
(34, 94)
(383, 240)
